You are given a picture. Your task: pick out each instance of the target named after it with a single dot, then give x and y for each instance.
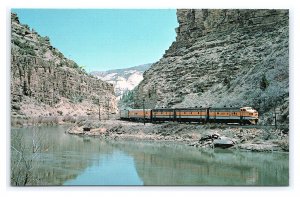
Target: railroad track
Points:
(249, 126)
(223, 125)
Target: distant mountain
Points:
(123, 79)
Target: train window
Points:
(191, 112)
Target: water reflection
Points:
(73, 160)
(114, 169)
(171, 165)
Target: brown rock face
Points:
(223, 57)
(44, 82)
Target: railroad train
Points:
(242, 116)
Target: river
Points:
(67, 159)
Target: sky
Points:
(104, 39)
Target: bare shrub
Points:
(16, 121)
(81, 121)
(284, 144)
(24, 157)
(69, 118)
(53, 120)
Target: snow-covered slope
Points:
(123, 79)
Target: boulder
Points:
(223, 142)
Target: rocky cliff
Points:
(45, 83)
(223, 57)
(123, 80)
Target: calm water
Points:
(73, 160)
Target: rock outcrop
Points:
(45, 83)
(223, 57)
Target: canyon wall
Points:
(223, 58)
(46, 83)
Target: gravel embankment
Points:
(251, 139)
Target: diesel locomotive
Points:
(242, 116)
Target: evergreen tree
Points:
(264, 83)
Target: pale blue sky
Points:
(103, 39)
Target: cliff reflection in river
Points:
(72, 157)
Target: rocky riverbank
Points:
(199, 136)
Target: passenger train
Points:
(242, 116)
